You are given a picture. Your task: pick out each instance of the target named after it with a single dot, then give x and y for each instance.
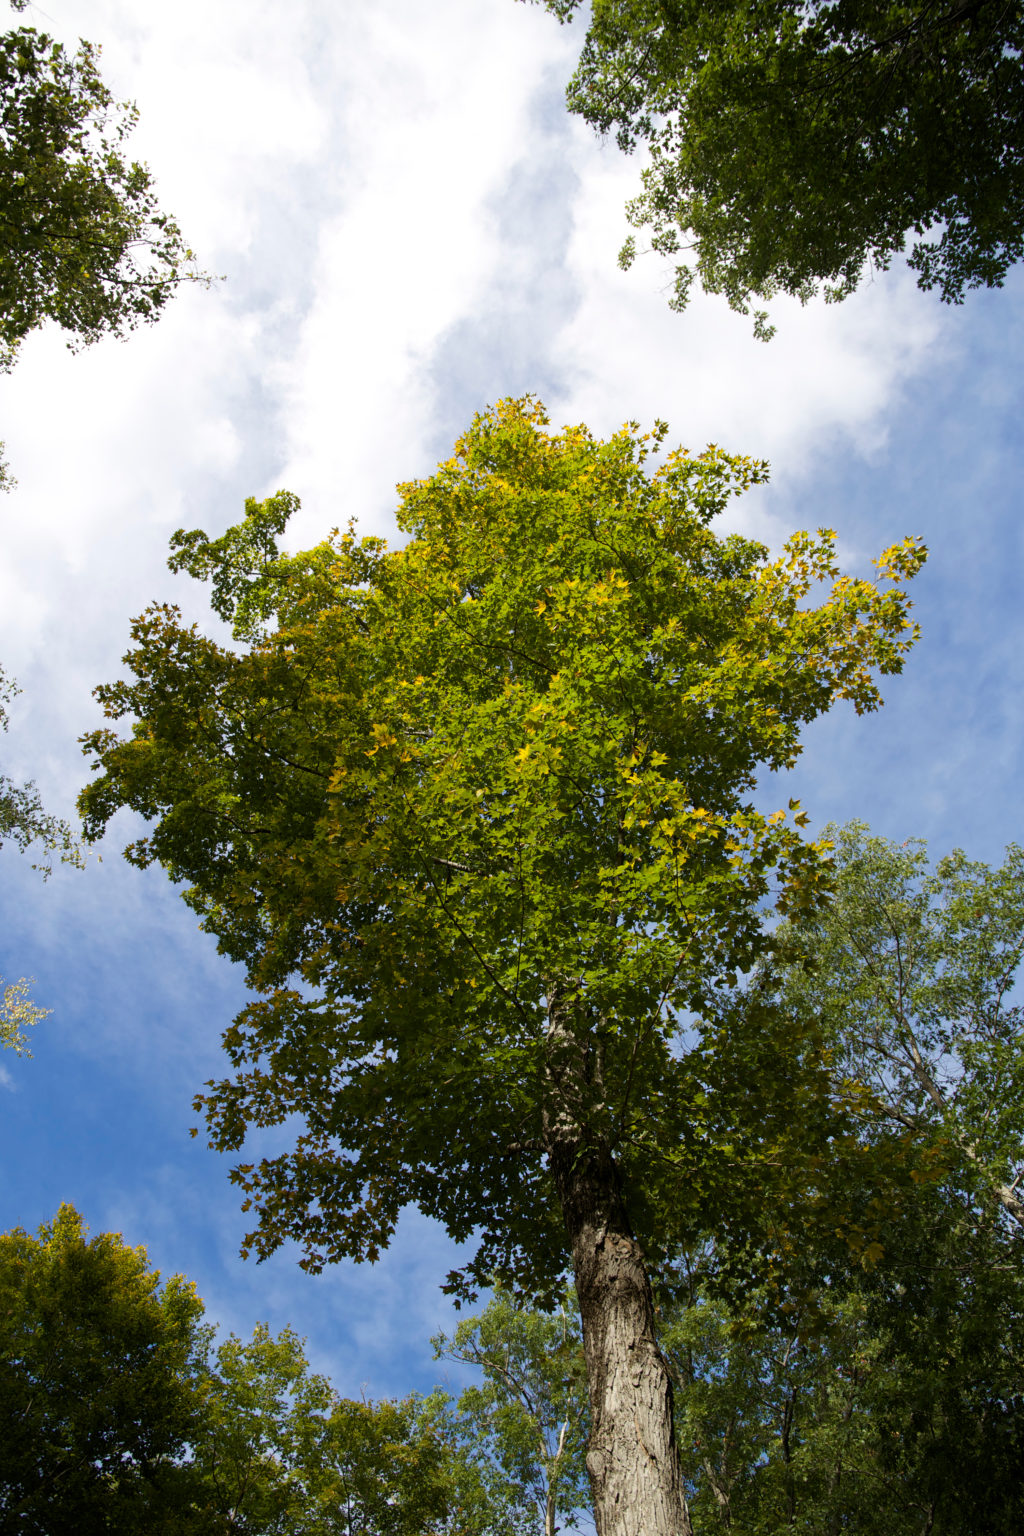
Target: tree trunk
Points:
(631, 1456)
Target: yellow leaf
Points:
(871, 1255)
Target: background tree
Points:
(118, 1416)
(402, 1468)
(886, 1404)
(798, 144)
(530, 1414)
(474, 814)
(885, 1392)
(912, 972)
(262, 1413)
(279, 1453)
(98, 1366)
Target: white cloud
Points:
(830, 375)
(435, 117)
(226, 97)
(359, 174)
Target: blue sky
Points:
(409, 226)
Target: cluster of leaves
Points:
(22, 817)
(912, 973)
(441, 782)
(791, 144)
(17, 1013)
(890, 1403)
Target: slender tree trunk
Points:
(789, 1408)
(631, 1457)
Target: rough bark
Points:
(631, 1456)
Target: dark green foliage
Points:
(793, 144)
(82, 239)
(98, 1367)
(117, 1417)
(888, 1402)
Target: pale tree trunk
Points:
(550, 1503)
(550, 1527)
(631, 1455)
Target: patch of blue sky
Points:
(942, 759)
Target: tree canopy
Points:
(475, 814)
(83, 241)
(440, 778)
(260, 1414)
(118, 1416)
(885, 1393)
(97, 1383)
(793, 145)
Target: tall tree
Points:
(474, 814)
(794, 144)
